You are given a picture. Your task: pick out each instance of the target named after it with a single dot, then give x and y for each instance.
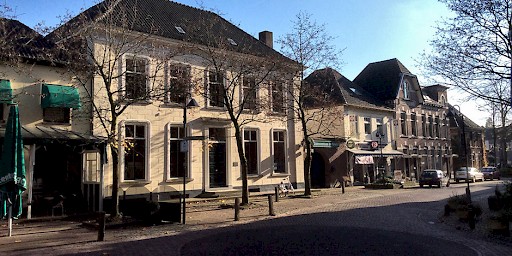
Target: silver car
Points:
(473, 175)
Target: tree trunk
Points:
(115, 182)
(307, 166)
(243, 165)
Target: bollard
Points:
(237, 209)
(276, 193)
(101, 226)
(271, 206)
(343, 186)
(471, 217)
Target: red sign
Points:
(374, 144)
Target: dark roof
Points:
(20, 41)
(343, 89)
(467, 122)
(382, 78)
(48, 134)
(161, 17)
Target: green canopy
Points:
(60, 96)
(5, 91)
(12, 165)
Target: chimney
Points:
(267, 38)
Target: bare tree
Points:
(473, 49)
(311, 46)
(243, 71)
(102, 46)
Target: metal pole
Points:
(185, 160)
(381, 155)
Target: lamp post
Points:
(189, 102)
(468, 192)
(380, 135)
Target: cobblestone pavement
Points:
(405, 211)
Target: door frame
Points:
(206, 158)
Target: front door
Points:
(91, 180)
(217, 158)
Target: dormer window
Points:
(180, 29)
(232, 42)
(405, 89)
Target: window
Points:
(216, 89)
(367, 125)
(277, 97)
(430, 126)
(57, 115)
(251, 151)
(135, 152)
(136, 78)
(353, 126)
(92, 165)
(177, 165)
(414, 126)
(279, 151)
(179, 83)
(438, 127)
(424, 125)
(403, 123)
(249, 92)
(379, 125)
(405, 89)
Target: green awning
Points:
(60, 96)
(5, 91)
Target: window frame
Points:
(405, 89)
(186, 155)
(414, 124)
(403, 124)
(258, 150)
(85, 163)
(273, 151)
(125, 72)
(274, 90)
(354, 129)
(367, 121)
(67, 115)
(186, 79)
(122, 157)
(221, 84)
(254, 89)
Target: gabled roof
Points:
(20, 41)
(382, 78)
(343, 90)
(162, 17)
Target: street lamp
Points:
(468, 192)
(188, 103)
(380, 135)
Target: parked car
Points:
(491, 173)
(431, 177)
(473, 175)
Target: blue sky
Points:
(368, 30)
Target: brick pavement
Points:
(207, 216)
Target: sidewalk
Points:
(200, 215)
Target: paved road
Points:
(360, 222)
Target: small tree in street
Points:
(309, 44)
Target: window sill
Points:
(178, 180)
(46, 123)
(137, 102)
(254, 176)
(132, 182)
(277, 114)
(276, 174)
